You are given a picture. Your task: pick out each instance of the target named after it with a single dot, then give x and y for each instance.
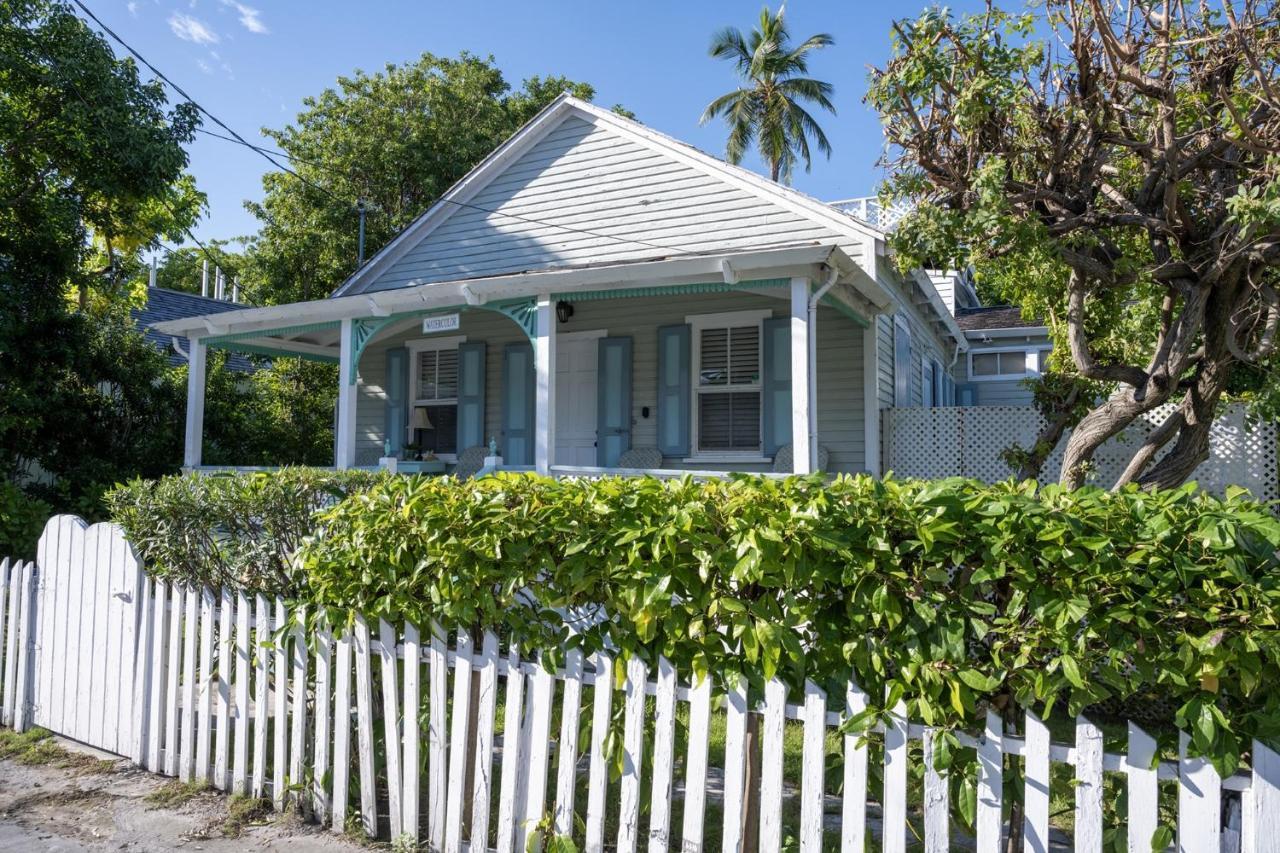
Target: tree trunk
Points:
(1095, 428)
(1048, 438)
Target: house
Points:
(594, 287)
(1004, 352)
(164, 305)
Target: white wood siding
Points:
(634, 201)
(839, 367)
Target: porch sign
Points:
(442, 323)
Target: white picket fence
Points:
(457, 746)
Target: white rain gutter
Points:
(832, 275)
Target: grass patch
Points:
(37, 747)
(174, 794)
(243, 811)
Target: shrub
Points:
(953, 596)
(22, 519)
(237, 529)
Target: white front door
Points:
(577, 354)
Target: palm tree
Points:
(768, 108)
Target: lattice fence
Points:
(966, 441)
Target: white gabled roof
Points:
(795, 217)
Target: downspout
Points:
(814, 299)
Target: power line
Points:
(266, 153)
(197, 104)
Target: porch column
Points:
(344, 439)
(800, 373)
(544, 357)
(871, 397)
(193, 438)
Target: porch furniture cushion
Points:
(470, 461)
(783, 460)
(641, 457)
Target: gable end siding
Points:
(635, 203)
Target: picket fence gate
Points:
(236, 691)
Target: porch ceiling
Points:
(312, 329)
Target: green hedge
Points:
(237, 529)
(951, 595)
(22, 519)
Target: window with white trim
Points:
(433, 383)
(1007, 363)
(726, 382)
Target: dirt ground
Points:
(91, 803)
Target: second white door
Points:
(577, 357)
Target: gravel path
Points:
(43, 807)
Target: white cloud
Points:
(191, 29)
(250, 18)
(204, 66)
(132, 7)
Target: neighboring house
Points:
(163, 305)
(1004, 352)
(594, 287)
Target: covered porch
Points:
(747, 361)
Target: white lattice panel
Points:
(967, 441)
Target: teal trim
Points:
(396, 412)
(252, 349)
(280, 331)
(847, 311)
(471, 380)
(674, 389)
(362, 331)
(775, 383)
(523, 311)
(613, 401)
(518, 391)
(670, 290)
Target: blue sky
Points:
(251, 64)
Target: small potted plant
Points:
(413, 450)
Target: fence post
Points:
(1265, 792)
(26, 647)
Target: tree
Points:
(397, 140)
(1115, 168)
(768, 108)
(92, 171)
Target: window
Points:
(1007, 364)
(727, 386)
(433, 383)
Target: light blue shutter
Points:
(517, 404)
(776, 383)
(613, 395)
(901, 365)
(396, 419)
(674, 369)
(471, 395)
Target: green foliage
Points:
(950, 595)
(236, 529)
(281, 414)
(769, 109)
(92, 172)
(22, 519)
(397, 139)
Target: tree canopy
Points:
(769, 108)
(396, 139)
(91, 171)
(1114, 168)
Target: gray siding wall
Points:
(636, 202)
(839, 367)
(1001, 392)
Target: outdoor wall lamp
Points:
(563, 311)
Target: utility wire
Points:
(264, 152)
(197, 104)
